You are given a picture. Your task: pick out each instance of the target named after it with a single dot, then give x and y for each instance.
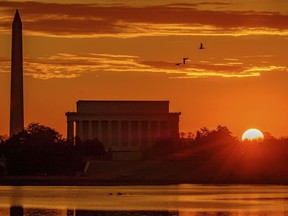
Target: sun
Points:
(252, 134)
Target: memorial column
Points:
(110, 133)
(90, 130)
(139, 135)
(70, 131)
(130, 133)
(149, 132)
(100, 131)
(79, 129)
(159, 132)
(119, 133)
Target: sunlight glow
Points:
(252, 134)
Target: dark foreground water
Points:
(182, 200)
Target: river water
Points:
(174, 200)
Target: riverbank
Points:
(88, 181)
(101, 173)
(77, 181)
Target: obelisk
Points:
(16, 99)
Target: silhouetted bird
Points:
(184, 60)
(201, 46)
(178, 64)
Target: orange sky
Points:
(127, 50)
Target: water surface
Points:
(184, 200)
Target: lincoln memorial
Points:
(126, 128)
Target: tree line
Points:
(217, 156)
(41, 150)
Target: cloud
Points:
(94, 20)
(67, 66)
(267, 68)
(64, 65)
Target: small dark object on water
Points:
(119, 193)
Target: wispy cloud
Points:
(94, 20)
(69, 66)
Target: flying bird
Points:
(185, 59)
(178, 64)
(201, 46)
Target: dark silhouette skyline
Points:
(16, 99)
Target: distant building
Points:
(127, 128)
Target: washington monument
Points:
(16, 99)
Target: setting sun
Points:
(252, 134)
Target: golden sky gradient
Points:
(128, 50)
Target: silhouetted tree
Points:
(220, 136)
(161, 149)
(190, 135)
(39, 150)
(203, 132)
(182, 135)
(222, 158)
(91, 148)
